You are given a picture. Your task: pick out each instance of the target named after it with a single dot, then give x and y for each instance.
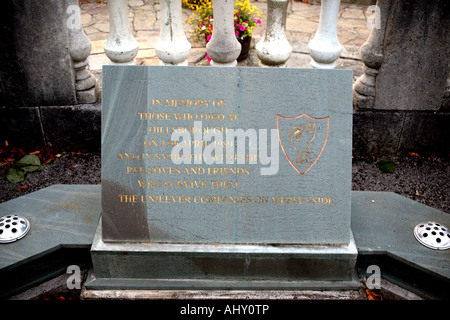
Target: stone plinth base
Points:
(162, 266)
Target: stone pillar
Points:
(79, 49)
(415, 65)
(172, 47)
(372, 57)
(325, 47)
(35, 65)
(121, 47)
(223, 48)
(406, 60)
(274, 48)
(401, 100)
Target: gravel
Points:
(426, 180)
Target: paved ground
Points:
(301, 25)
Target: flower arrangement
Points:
(246, 17)
(191, 4)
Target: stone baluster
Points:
(223, 48)
(372, 57)
(172, 48)
(325, 47)
(79, 50)
(121, 47)
(274, 48)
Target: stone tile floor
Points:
(301, 25)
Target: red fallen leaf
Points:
(17, 150)
(25, 187)
(50, 159)
(372, 295)
(414, 154)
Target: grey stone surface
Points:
(35, 65)
(287, 295)
(384, 133)
(61, 215)
(415, 66)
(376, 133)
(428, 132)
(67, 216)
(75, 128)
(383, 222)
(21, 126)
(166, 266)
(250, 93)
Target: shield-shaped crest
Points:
(302, 139)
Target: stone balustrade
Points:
(223, 49)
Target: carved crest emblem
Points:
(302, 139)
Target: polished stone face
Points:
(226, 155)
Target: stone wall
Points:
(402, 101)
(35, 65)
(44, 78)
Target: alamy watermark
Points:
(209, 145)
(73, 17)
(374, 280)
(373, 14)
(74, 280)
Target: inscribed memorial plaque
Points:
(226, 155)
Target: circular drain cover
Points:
(12, 228)
(432, 235)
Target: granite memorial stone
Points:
(290, 182)
(225, 178)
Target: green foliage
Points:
(15, 175)
(387, 166)
(28, 163)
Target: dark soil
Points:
(426, 180)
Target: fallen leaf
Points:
(372, 295)
(387, 166)
(6, 143)
(25, 187)
(15, 176)
(58, 155)
(29, 160)
(35, 152)
(414, 154)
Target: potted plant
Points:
(246, 17)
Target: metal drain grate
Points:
(432, 235)
(12, 228)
